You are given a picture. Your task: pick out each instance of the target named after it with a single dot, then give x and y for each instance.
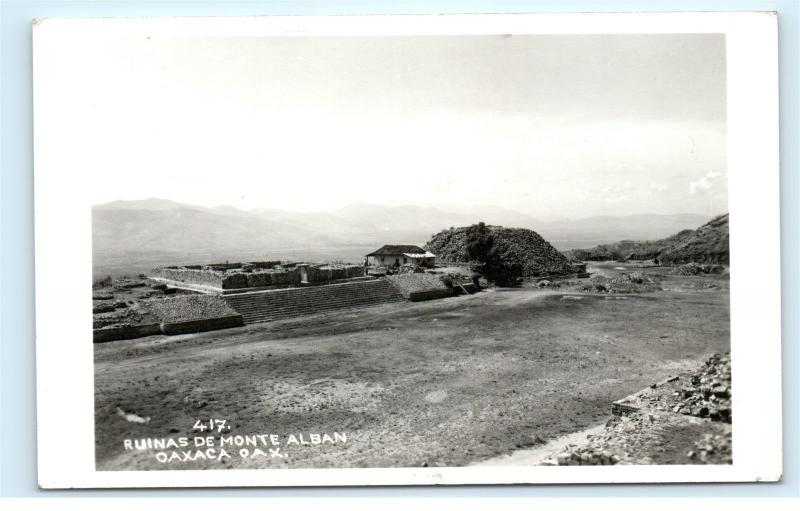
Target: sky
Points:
(555, 126)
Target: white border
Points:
(63, 237)
(401, 504)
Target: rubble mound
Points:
(713, 449)
(704, 393)
(707, 393)
(697, 269)
(685, 419)
(651, 438)
(516, 246)
(407, 268)
(636, 282)
(135, 315)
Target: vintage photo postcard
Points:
(407, 250)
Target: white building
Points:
(397, 255)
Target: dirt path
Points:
(448, 382)
(537, 455)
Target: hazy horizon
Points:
(453, 208)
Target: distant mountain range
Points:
(135, 235)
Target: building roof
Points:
(426, 255)
(397, 250)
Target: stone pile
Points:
(636, 282)
(108, 307)
(123, 317)
(647, 438)
(708, 392)
(586, 455)
(406, 268)
(102, 307)
(684, 419)
(704, 393)
(125, 284)
(713, 448)
(693, 268)
(615, 444)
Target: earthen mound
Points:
(516, 246)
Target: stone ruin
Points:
(227, 278)
(225, 295)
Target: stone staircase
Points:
(263, 306)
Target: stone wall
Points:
(201, 325)
(118, 333)
(273, 278)
(432, 294)
(263, 264)
(420, 286)
(330, 273)
(235, 276)
(234, 281)
(465, 288)
(191, 276)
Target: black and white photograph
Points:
(403, 250)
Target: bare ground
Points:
(443, 383)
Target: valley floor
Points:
(443, 383)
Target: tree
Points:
(489, 261)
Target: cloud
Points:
(618, 192)
(700, 185)
(704, 183)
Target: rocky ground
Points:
(119, 301)
(682, 420)
(647, 438)
(702, 393)
(138, 300)
(624, 282)
(697, 269)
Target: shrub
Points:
(481, 247)
(636, 277)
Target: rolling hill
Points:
(707, 244)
